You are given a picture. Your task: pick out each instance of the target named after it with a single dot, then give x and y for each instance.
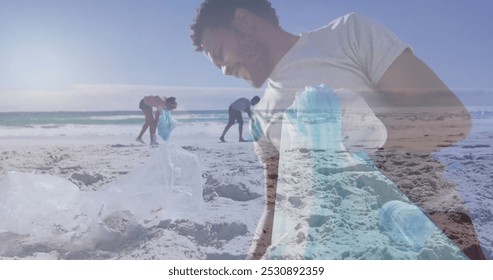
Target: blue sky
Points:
(107, 54)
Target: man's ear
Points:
(244, 21)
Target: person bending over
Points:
(146, 105)
(352, 53)
(235, 114)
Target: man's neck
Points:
(281, 44)
(278, 42)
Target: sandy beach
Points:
(232, 190)
(453, 182)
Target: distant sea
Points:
(128, 123)
(102, 123)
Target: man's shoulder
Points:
(343, 21)
(240, 100)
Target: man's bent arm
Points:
(410, 86)
(263, 236)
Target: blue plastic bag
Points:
(166, 124)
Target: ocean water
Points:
(122, 123)
(109, 123)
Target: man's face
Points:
(237, 54)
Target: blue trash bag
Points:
(166, 124)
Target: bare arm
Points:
(249, 112)
(263, 235)
(409, 87)
(156, 116)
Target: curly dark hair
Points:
(171, 100)
(220, 13)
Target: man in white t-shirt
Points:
(374, 74)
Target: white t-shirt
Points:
(349, 55)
